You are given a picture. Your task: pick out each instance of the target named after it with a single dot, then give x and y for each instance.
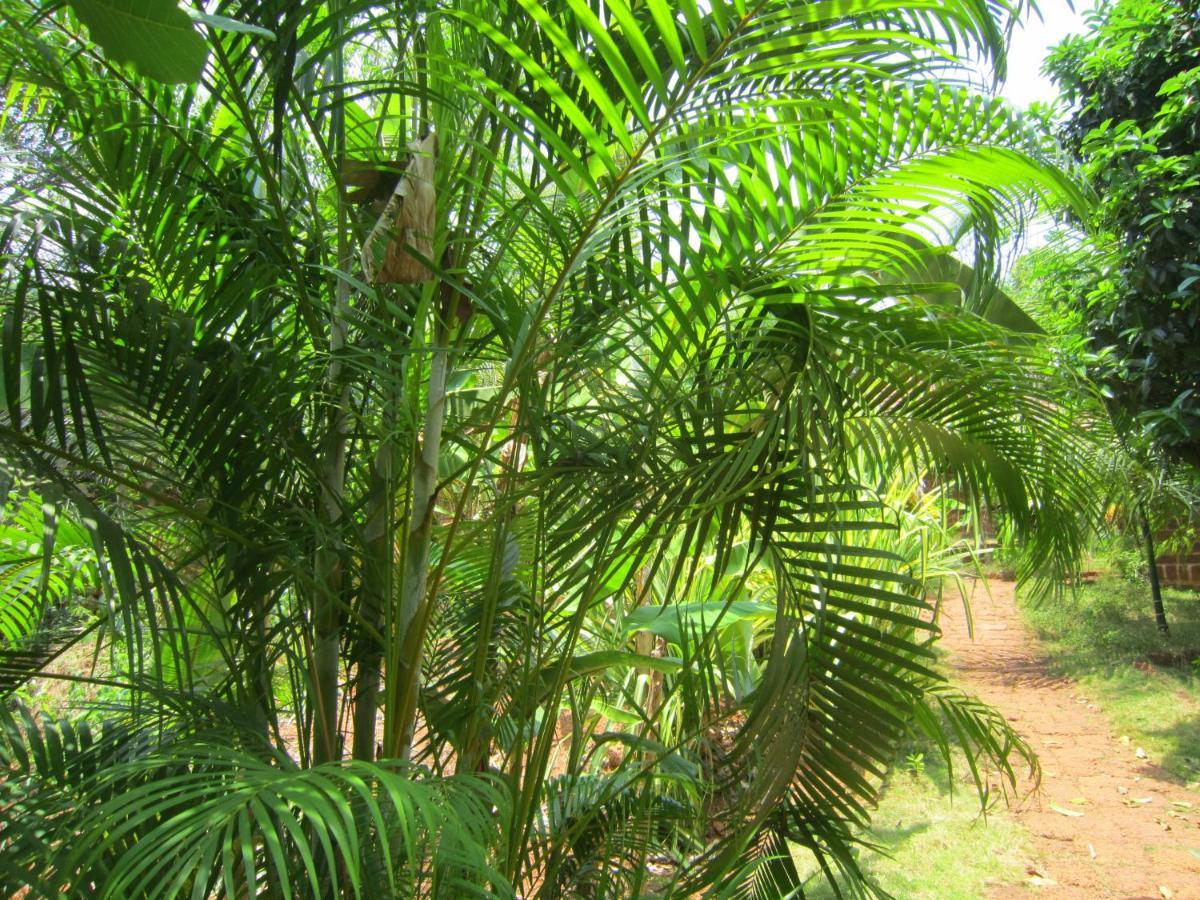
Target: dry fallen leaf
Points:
(1038, 879)
(1066, 812)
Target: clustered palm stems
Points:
(578, 569)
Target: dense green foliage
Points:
(594, 564)
(1132, 83)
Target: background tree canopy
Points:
(594, 550)
(1133, 84)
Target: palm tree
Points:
(481, 414)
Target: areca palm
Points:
(501, 533)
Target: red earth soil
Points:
(1137, 835)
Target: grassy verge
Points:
(936, 843)
(1149, 687)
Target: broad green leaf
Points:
(670, 761)
(156, 36)
(602, 660)
(673, 621)
(616, 714)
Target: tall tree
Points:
(1132, 85)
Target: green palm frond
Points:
(233, 821)
(47, 560)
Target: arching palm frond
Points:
(232, 819)
(47, 566)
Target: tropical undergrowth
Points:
(594, 558)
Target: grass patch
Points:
(1104, 637)
(938, 845)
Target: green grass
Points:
(936, 844)
(1104, 637)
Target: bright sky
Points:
(1027, 84)
(1029, 45)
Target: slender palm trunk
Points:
(647, 644)
(476, 741)
(375, 595)
(328, 588)
(412, 613)
(329, 578)
(1160, 614)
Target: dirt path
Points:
(1138, 829)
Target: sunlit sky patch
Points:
(1030, 44)
(1026, 84)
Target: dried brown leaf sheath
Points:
(406, 226)
(373, 182)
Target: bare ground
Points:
(1104, 823)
